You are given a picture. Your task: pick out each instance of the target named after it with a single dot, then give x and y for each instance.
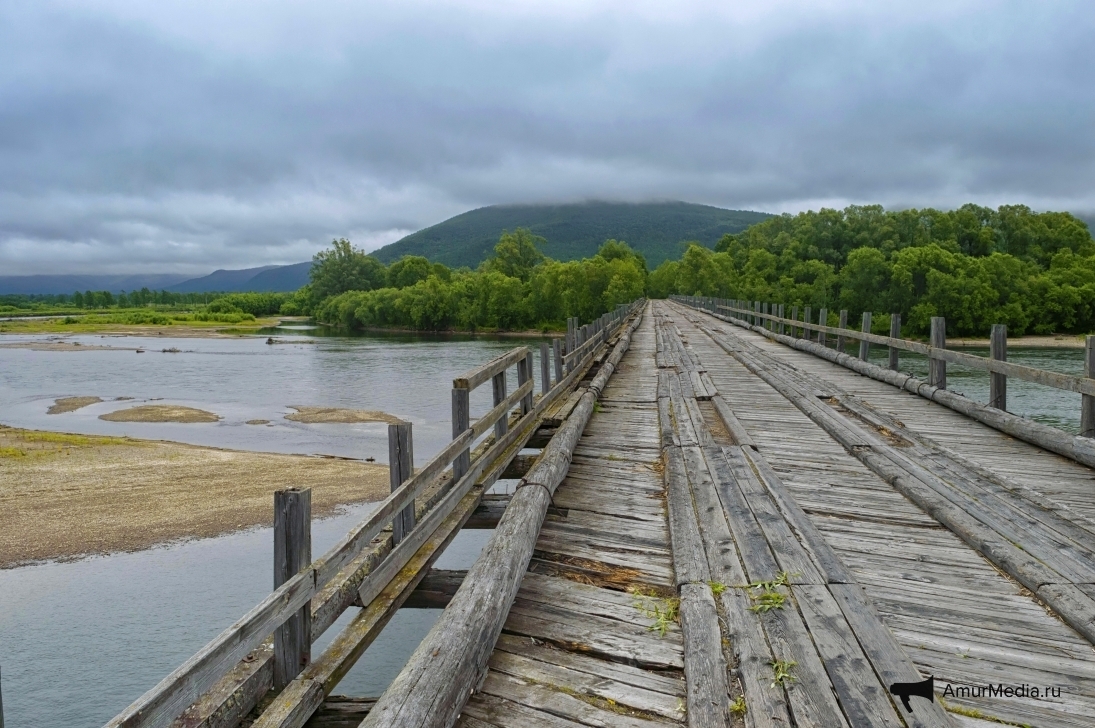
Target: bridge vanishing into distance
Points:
(716, 518)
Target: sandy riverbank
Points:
(65, 496)
(1058, 341)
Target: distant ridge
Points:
(67, 284)
(574, 231)
(277, 278)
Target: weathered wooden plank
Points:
(704, 664)
(474, 377)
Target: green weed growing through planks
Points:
(781, 672)
(738, 706)
(663, 610)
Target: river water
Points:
(80, 640)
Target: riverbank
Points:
(173, 330)
(66, 496)
(1053, 341)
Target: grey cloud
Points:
(199, 136)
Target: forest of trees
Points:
(516, 288)
(975, 266)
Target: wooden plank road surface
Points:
(958, 615)
(578, 646)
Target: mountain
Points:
(266, 278)
(281, 278)
(220, 280)
(50, 284)
(573, 231)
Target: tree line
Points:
(516, 288)
(1034, 272)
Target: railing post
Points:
(843, 324)
(292, 552)
(937, 368)
(1087, 402)
(400, 469)
(461, 421)
(1, 707)
(794, 317)
(998, 383)
(572, 336)
(557, 354)
(781, 329)
(865, 347)
(806, 320)
(545, 369)
(895, 333)
(764, 313)
(823, 320)
(498, 384)
(524, 374)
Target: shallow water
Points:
(244, 379)
(80, 641)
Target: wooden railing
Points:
(935, 352)
(265, 648)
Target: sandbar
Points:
(71, 404)
(335, 415)
(160, 413)
(65, 496)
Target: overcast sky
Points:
(184, 136)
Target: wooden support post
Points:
(937, 368)
(781, 327)
(895, 333)
(461, 420)
(794, 317)
(756, 310)
(571, 336)
(400, 469)
(764, 315)
(1, 707)
(842, 325)
(1087, 403)
(865, 347)
(498, 384)
(806, 320)
(998, 383)
(557, 354)
(292, 552)
(823, 320)
(524, 374)
(545, 369)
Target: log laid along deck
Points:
(719, 528)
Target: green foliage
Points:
(516, 289)
(344, 268)
(1034, 272)
(256, 304)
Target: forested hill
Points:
(574, 231)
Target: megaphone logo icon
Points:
(923, 689)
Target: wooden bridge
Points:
(719, 519)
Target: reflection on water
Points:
(1047, 405)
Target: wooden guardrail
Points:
(269, 647)
(936, 352)
(758, 317)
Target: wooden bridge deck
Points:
(878, 589)
(575, 649)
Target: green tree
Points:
(344, 268)
(516, 254)
(408, 270)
